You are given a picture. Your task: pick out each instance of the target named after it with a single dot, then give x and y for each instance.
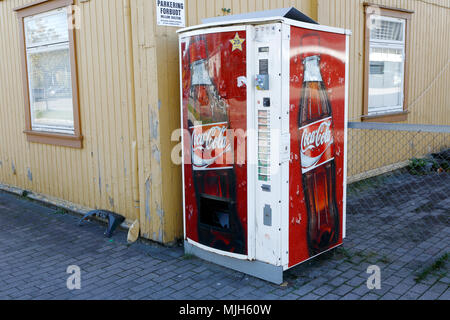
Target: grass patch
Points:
(365, 256)
(434, 269)
(348, 256)
(370, 255)
(366, 184)
(421, 167)
(384, 259)
(418, 167)
(60, 211)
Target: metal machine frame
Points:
(267, 258)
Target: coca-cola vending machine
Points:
(264, 116)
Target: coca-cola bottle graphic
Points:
(212, 152)
(318, 157)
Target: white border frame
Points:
(390, 19)
(347, 71)
(62, 10)
(219, 252)
(196, 31)
(268, 237)
(285, 132)
(252, 149)
(250, 205)
(275, 19)
(389, 44)
(180, 58)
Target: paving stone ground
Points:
(403, 238)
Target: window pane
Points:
(385, 80)
(386, 30)
(47, 28)
(51, 89)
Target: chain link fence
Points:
(400, 169)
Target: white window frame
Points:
(386, 12)
(46, 46)
(390, 44)
(60, 139)
(43, 15)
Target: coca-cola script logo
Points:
(316, 144)
(211, 149)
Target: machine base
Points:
(256, 269)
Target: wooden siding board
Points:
(65, 173)
(429, 53)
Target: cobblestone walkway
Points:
(406, 240)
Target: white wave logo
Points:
(315, 144)
(204, 143)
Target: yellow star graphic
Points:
(237, 42)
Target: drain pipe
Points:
(132, 97)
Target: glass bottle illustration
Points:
(318, 157)
(212, 152)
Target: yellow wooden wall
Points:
(164, 42)
(120, 119)
(99, 175)
(158, 221)
(129, 101)
(200, 9)
(371, 150)
(429, 52)
(429, 79)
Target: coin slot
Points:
(267, 216)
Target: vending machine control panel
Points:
(267, 67)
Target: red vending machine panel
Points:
(214, 108)
(317, 127)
